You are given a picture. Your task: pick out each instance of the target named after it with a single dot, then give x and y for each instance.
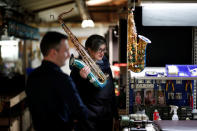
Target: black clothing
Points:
(53, 99)
(99, 101)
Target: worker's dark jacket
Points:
(53, 99)
(100, 102)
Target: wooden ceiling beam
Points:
(104, 17)
(53, 6)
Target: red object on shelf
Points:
(191, 101)
(156, 115)
(120, 64)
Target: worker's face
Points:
(150, 95)
(98, 55)
(138, 93)
(62, 53)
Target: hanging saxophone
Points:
(136, 49)
(96, 76)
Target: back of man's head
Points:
(51, 40)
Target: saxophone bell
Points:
(143, 38)
(73, 62)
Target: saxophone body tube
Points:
(80, 64)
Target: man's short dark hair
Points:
(51, 40)
(94, 41)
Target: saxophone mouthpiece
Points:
(71, 61)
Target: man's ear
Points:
(52, 52)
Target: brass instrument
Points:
(136, 50)
(97, 77)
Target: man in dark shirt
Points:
(52, 97)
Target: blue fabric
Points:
(53, 99)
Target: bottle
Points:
(156, 115)
(174, 109)
(175, 116)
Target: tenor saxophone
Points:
(136, 49)
(96, 76)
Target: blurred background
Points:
(169, 24)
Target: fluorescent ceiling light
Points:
(169, 14)
(9, 42)
(97, 2)
(9, 50)
(159, 4)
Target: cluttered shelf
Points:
(13, 98)
(165, 73)
(170, 85)
(13, 112)
(160, 93)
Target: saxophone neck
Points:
(60, 17)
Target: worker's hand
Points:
(84, 72)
